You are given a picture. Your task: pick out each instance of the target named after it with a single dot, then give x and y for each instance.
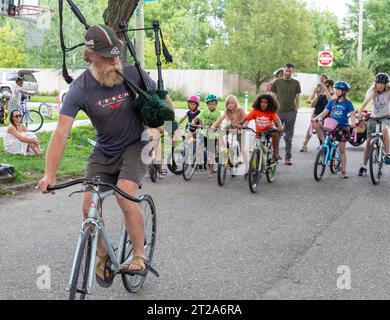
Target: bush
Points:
(359, 78)
(176, 95)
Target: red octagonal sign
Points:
(325, 59)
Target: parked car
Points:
(8, 77)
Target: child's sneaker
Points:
(304, 147)
(387, 158)
(362, 172)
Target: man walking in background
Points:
(287, 92)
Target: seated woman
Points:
(18, 140)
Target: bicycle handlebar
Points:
(260, 132)
(94, 183)
(378, 119)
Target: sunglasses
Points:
(18, 116)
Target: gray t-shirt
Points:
(117, 124)
(381, 105)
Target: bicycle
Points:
(377, 151)
(261, 160)
(327, 154)
(228, 157)
(85, 255)
(176, 158)
(31, 119)
(193, 152)
(46, 110)
(358, 135)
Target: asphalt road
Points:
(289, 241)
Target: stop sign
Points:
(325, 59)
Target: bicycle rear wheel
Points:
(133, 283)
(254, 171)
(32, 120)
(79, 282)
(319, 166)
(376, 160)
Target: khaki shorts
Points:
(127, 165)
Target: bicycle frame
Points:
(330, 145)
(262, 143)
(95, 220)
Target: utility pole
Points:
(139, 35)
(360, 36)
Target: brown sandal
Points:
(104, 275)
(138, 261)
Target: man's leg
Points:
(289, 132)
(133, 219)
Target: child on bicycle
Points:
(231, 119)
(207, 118)
(193, 106)
(338, 109)
(379, 94)
(265, 116)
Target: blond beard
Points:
(107, 77)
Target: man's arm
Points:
(55, 151)
(297, 101)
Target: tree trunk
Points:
(119, 10)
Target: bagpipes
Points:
(150, 103)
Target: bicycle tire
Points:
(271, 168)
(45, 111)
(335, 163)
(189, 164)
(318, 174)
(85, 244)
(32, 120)
(174, 164)
(223, 164)
(134, 283)
(153, 170)
(375, 157)
(254, 171)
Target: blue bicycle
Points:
(328, 154)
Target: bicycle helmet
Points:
(382, 78)
(211, 97)
(193, 99)
(342, 85)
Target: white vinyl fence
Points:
(189, 82)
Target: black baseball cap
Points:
(104, 41)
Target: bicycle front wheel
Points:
(271, 168)
(319, 165)
(223, 163)
(175, 163)
(79, 282)
(32, 120)
(153, 170)
(335, 163)
(45, 111)
(133, 283)
(189, 164)
(376, 160)
(254, 171)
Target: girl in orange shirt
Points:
(265, 116)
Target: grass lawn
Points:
(73, 163)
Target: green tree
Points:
(261, 36)
(377, 33)
(11, 47)
(189, 26)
